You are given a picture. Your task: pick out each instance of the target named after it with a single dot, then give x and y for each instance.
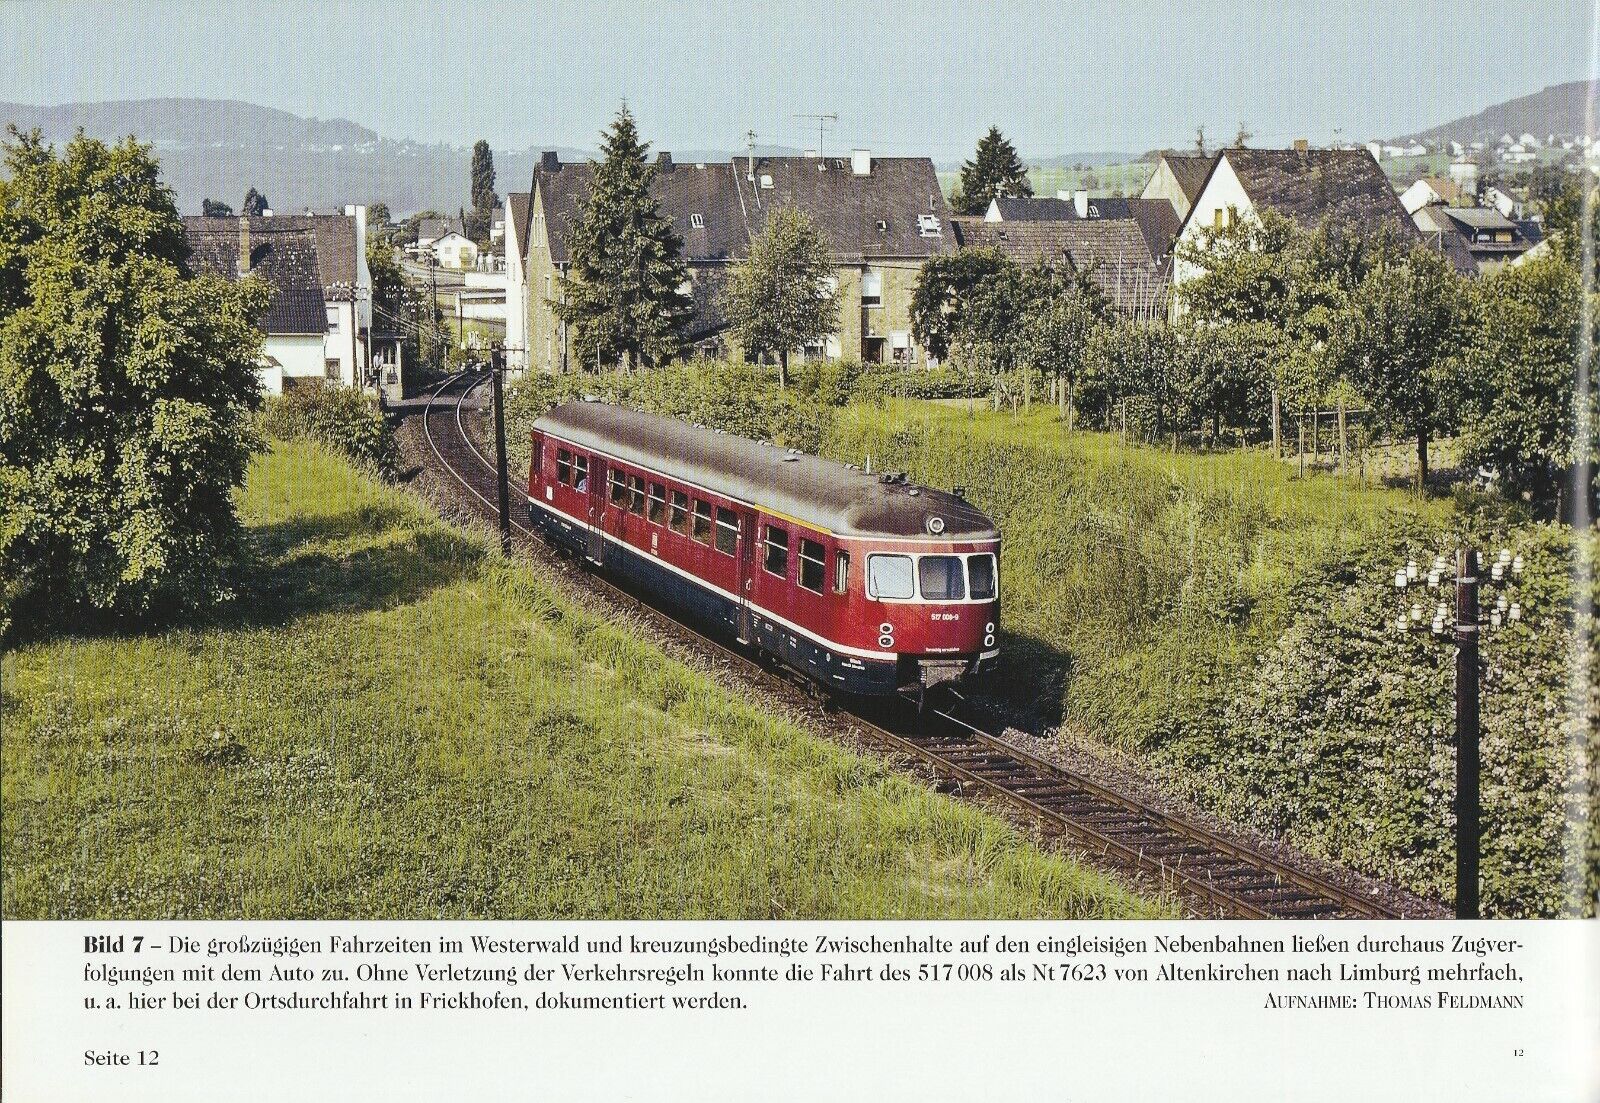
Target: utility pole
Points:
(1467, 774)
(822, 120)
(497, 367)
(433, 305)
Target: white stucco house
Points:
(320, 321)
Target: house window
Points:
(727, 531)
(777, 557)
(331, 368)
(635, 495)
(333, 318)
(698, 221)
(678, 518)
(702, 522)
(658, 504)
(813, 565)
(1216, 218)
(872, 287)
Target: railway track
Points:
(1217, 876)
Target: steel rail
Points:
(1026, 771)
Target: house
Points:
(1133, 270)
(881, 217)
(1178, 179)
(1306, 185)
(1477, 240)
(319, 324)
(1430, 190)
(430, 230)
(517, 304)
(497, 224)
(1018, 208)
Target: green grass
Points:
(1135, 578)
(394, 722)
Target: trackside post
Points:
(497, 369)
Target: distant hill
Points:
(218, 149)
(1561, 109)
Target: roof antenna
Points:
(821, 120)
(750, 149)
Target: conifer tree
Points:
(624, 294)
(995, 170)
(255, 204)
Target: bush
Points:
(341, 417)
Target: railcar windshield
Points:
(980, 573)
(942, 578)
(891, 577)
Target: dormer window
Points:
(766, 180)
(697, 221)
(883, 225)
(928, 225)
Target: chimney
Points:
(244, 246)
(1301, 145)
(1080, 202)
(1063, 194)
(549, 162)
(811, 153)
(861, 162)
(664, 159)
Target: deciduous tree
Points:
(255, 204)
(126, 385)
(1397, 340)
(215, 208)
(1523, 413)
(780, 298)
(943, 285)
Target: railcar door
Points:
(747, 572)
(597, 509)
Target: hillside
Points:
(394, 722)
(1561, 109)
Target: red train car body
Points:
(867, 583)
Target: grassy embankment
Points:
(1229, 624)
(394, 722)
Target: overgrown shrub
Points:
(342, 418)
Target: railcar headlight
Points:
(988, 641)
(886, 642)
(936, 525)
(989, 627)
(886, 628)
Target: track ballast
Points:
(1217, 876)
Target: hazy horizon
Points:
(1056, 78)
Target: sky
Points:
(903, 78)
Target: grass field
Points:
(1229, 624)
(394, 722)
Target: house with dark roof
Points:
(1178, 179)
(319, 324)
(1131, 270)
(881, 218)
(1477, 240)
(1308, 186)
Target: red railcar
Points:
(867, 583)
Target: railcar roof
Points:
(825, 494)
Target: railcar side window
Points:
(678, 519)
(980, 571)
(619, 488)
(702, 522)
(813, 564)
(563, 466)
(777, 560)
(727, 530)
(538, 455)
(941, 578)
(635, 494)
(890, 576)
(658, 504)
(841, 572)
(580, 472)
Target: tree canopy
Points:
(215, 208)
(625, 295)
(781, 297)
(255, 204)
(943, 286)
(995, 170)
(126, 385)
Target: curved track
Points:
(1217, 876)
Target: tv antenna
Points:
(822, 121)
